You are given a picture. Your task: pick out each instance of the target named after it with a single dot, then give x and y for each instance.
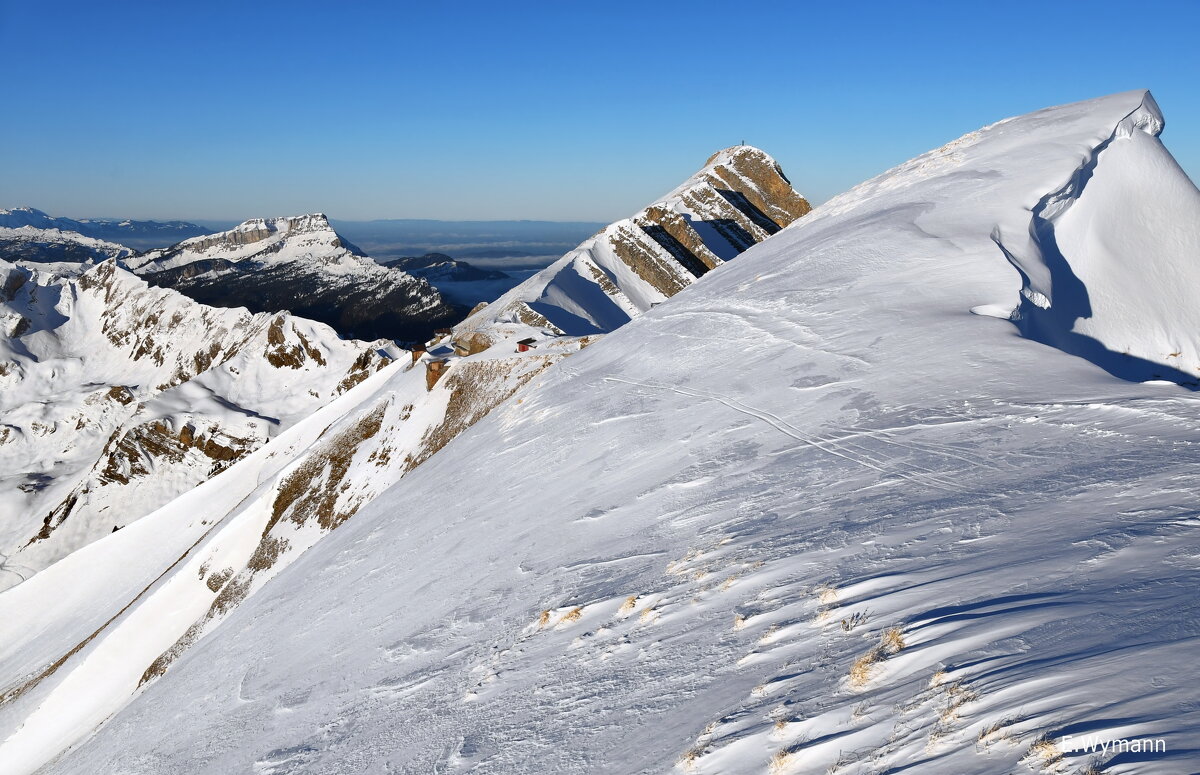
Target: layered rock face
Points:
(299, 264)
(117, 397)
(739, 198)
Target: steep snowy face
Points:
(36, 245)
(301, 265)
(738, 199)
(117, 397)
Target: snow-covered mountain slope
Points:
(810, 515)
(42, 246)
(117, 397)
(739, 198)
(220, 543)
(142, 235)
(301, 265)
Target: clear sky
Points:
(544, 110)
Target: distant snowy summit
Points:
(302, 265)
(140, 235)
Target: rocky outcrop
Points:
(740, 198)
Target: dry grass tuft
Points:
(739, 621)
(574, 615)
(856, 620)
(864, 667)
(827, 593)
(689, 758)
(892, 641)
(543, 618)
(997, 731)
(629, 604)
(782, 761)
(1045, 750)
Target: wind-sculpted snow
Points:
(1109, 262)
(810, 516)
(301, 265)
(108, 412)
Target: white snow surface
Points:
(671, 550)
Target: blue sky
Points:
(554, 110)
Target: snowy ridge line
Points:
(1079, 279)
(1036, 282)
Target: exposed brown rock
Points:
(470, 342)
(433, 372)
(770, 191)
(525, 314)
(311, 491)
(634, 248)
(476, 387)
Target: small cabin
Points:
(525, 345)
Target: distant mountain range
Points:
(139, 235)
(440, 268)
